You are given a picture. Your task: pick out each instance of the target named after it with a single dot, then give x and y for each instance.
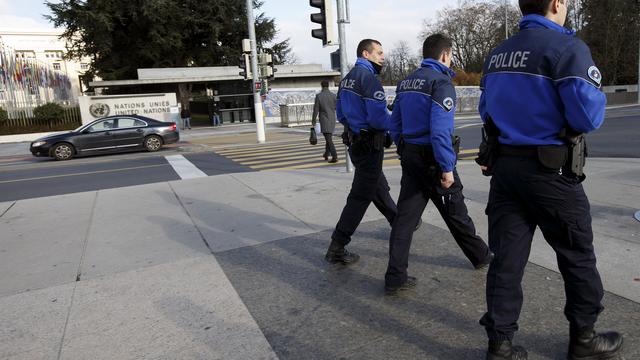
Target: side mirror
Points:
(86, 131)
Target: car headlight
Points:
(38, 143)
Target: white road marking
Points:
(184, 168)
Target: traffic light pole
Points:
(257, 101)
(343, 18)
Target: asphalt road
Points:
(23, 177)
(24, 180)
(619, 136)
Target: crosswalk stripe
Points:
(284, 153)
(469, 151)
(387, 162)
(299, 154)
(309, 163)
(274, 152)
(184, 168)
(267, 147)
(254, 161)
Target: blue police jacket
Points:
(361, 101)
(540, 81)
(424, 109)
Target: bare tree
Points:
(475, 28)
(400, 62)
(575, 17)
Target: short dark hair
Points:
(366, 44)
(539, 7)
(324, 83)
(434, 45)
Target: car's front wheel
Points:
(62, 151)
(153, 143)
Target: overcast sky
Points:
(385, 20)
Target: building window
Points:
(56, 66)
(25, 54)
(54, 54)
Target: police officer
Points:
(538, 84)
(422, 127)
(362, 108)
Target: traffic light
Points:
(325, 19)
(245, 65)
(265, 61)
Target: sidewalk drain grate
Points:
(637, 215)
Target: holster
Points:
(387, 140)
(347, 137)
(455, 142)
(577, 149)
(489, 147)
(400, 147)
(371, 139)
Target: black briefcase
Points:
(313, 138)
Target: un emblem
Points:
(448, 103)
(99, 110)
(379, 95)
(595, 75)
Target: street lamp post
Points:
(257, 101)
(506, 15)
(343, 18)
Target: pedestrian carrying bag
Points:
(313, 138)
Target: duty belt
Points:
(523, 151)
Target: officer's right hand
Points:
(446, 180)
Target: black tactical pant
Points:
(421, 183)
(369, 185)
(523, 195)
(329, 148)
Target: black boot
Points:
(409, 284)
(487, 260)
(586, 344)
(338, 254)
(503, 350)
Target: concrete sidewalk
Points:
(230, 267)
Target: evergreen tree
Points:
(121, 36)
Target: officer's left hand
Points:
(446, 180)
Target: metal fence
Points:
(296, 114)
(70, 115)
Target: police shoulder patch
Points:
(448, 103)
(595, 75)
(379, 95)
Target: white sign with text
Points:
(156, 106)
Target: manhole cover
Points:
(637, 215)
